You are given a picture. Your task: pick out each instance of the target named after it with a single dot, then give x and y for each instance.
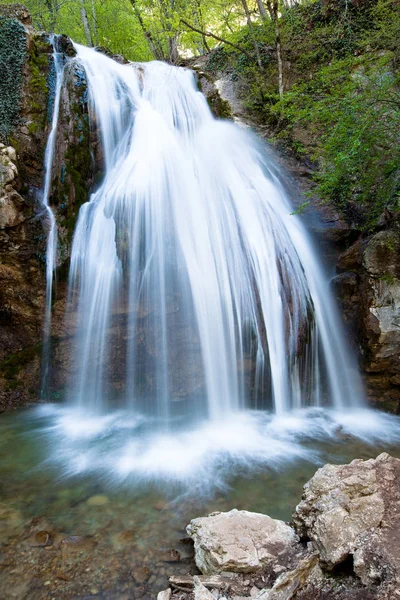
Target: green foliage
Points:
(342, 101)
(12, 58)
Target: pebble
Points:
(141, 574)
(41, 539)
(170, 556)
(97, 500)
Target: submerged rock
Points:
(239, 541)
(140, 573)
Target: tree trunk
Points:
(200, 23)
(173, 49)
(85, 23)
(167, 9)
(262, 10)
(153, 46)
(273, 12)
(95, 30)
(251, 31)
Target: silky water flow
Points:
(206, 331)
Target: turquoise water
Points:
(109, 540)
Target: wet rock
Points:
(164, 595)
(141, 573)
(239, 541)
(169, 555)
(124, 539)
(77, 543)
(98, 500)
(41, 539)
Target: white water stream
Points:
(191, 221)
(207, 334)
(51, 248)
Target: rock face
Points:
(27, 79)
(240, 541)
(368, 288)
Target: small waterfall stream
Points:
(51, 249)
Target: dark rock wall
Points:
(27, 88)
(368, 289)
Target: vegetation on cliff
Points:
(12, 58)
(322, 75)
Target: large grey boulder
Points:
(240, 541)
(352, 511)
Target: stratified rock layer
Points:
(368, 288)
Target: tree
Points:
(154, 46)
(251, 32)
(85, 23)
(273, 10)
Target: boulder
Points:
(240, 541)
(352, 512)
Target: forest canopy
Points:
(321, 76)
(147, 29)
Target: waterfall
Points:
(196, 290)
(51, 248)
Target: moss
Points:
(13, 54)
(11, 366)
(33, 127)
(220, 107)
(39, 68)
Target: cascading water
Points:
(189, 245)
(207, 336)
(51, 250)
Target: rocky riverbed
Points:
(343, 542)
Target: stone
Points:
(12, 155)
(308, 571)
(141, 573)
(10, 215)
(239, 541)
(164, 595)
(76, 544)
(170, 555)
(41, 539)
(200, 591)
(97, 500)
(353, 511)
